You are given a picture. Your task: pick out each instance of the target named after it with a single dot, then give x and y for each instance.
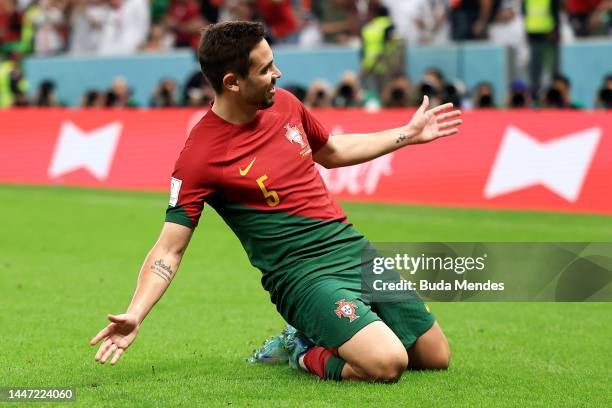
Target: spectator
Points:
(381, 53)
(22, 5)
(484, 96)
(507, 29)
(159, 9)
(339, 22)
(433, 85)
(601, 20)
(185, 19)
(298, 91)
(13, 86)
(562, 84)
(197, 91)
(127, 29)
(318, 95)
(87, 19)
(454, 93)
(281, 20)
(160, 40)
(236, 10)
(310, 33)
(10, 26)
(435, 78)
(93, 99)
(469, 19)
(552, 99)
(403, 13)
(119, 96)
(45, 96)
(348, 92)
(431, 19)
(604, 96)
(210, 10)
(519, 96)
(165, 94)
(396, 93)
(580, 13)
(542, 27)
(49, 23)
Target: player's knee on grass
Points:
(431, 351)
(376, 353)
(384, 365)
(438, 359)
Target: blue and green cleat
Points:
(273, 351)
(296, 344)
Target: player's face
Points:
(260, 86)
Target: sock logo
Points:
(347, 309)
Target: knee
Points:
(386, 366)
(440, 360)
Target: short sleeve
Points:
(188, 192)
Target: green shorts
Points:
(332, 309)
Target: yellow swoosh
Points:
(248, 168)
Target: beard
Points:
(263, 99)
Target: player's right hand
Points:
(116, 337)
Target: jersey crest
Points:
(294, 135)
(347, 309)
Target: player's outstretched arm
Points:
(425, 126)
(158, 270)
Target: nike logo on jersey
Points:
(247, 169)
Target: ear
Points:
(231, 82)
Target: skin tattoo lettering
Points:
(162, 270)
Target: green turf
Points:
(69, 256)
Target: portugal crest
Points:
(294, 135)
(347, 309)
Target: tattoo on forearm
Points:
(401, 138)
(162, 270)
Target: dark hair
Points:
(225, 47)
(562, 78)
(90, 98)
(485, 101)
(554, 99)
(605, 96)
(297, 90)
(382, 11)
(518, 100)
(45, 92)
(435, 72)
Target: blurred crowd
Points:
(531, 29)
(398, 92)
(47, 27)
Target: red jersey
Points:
(266, 164)
(581, 6)
(279, 17)
(261, 178)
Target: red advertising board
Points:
(543, 160)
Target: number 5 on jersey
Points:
(271, 196)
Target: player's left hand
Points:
(430, 124)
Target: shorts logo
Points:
(294, 135)
(175, 188)
(347, 309)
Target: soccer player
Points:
(252, 157)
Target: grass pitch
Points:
(69, 256)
